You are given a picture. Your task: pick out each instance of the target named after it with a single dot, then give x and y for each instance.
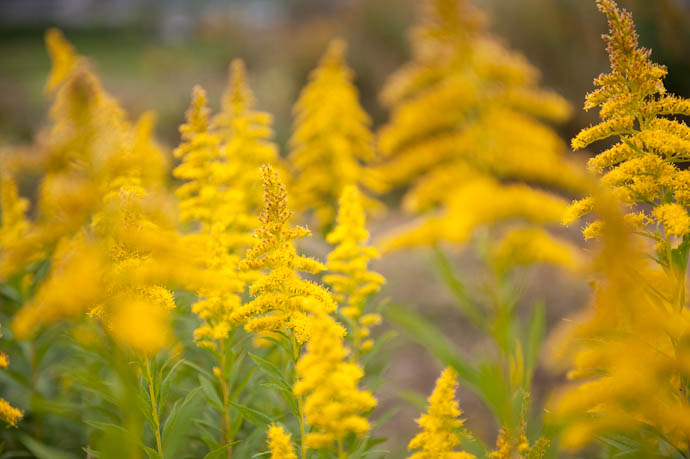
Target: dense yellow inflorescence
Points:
(13, 222)
(8, 413)
(208, 197)
(441, 423)
(280, 444)
(643, 166)
(222, 192)
(280, 295)
(334, 405)
(331, 143)
(628, 352)
(102, 215)
(351, 281)
(466, 113)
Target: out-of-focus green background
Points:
(150, 53)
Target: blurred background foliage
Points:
(150, 53)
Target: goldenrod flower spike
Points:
(350, 280)
(331, 143)
(281, 297)
(628, 351)
(633, 102)
(238, 97)
(464, 213)
(334, 405)
(8, 413)
(280, 444)
(210, 198)
(102, 215)
(13, 222)
(441, 423)
(63, 56)
(466, 110)
(525, 246)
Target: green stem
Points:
(226, 400)
(302, 448)
(341, 450)
(154, 409)
(300, 399)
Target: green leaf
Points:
(211, 393)
(42, 451)
(270, 369)
(426, 334)
(103, 426)
(219, 453)
(536, 328)
(10, 293)
(493, 389)
(166, 383)
(448, 275)
(255, 417)
(151, 453)
(178, 421)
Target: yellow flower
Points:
(334, 405)
(102, 213)
(480, 201)
(331, 142)
(628, 353)
(222, 191)
(13, 222)
(279, 443)
(280, 295)
(464, 110)
(350, 280)
(641, 166)
(9, 414)
(674, 217)
(441, 424)
(141, 325)
(524, 246)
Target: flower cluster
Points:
(628, 352)
(279, 443)
(350, 279)
(643, 165)
(8, 413)
(334, 404)
(441, 424)
(466, 113)
(102, 217)
(281, 297)
(222, 192)
(331, 143)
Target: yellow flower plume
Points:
(13, 222)
(627, 353)
(280, 295)
(280, 444)
(642, 166)
(8, 413)
(331, 142)
(441, 424)
(351, 281)
(466, 110)
(102, 214)
(334, 405)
